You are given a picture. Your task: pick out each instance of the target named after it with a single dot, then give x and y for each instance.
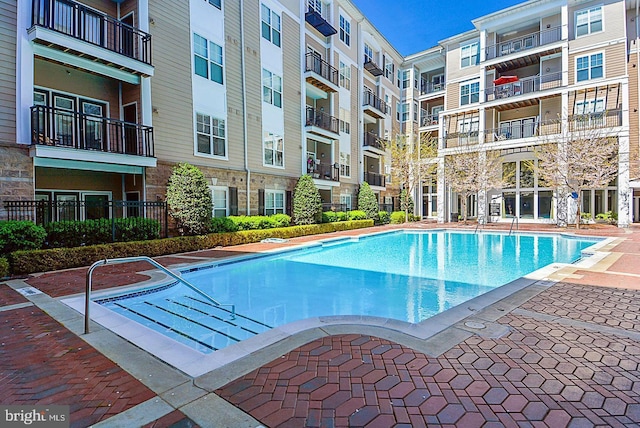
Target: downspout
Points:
(244, 111)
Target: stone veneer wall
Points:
(16, 170)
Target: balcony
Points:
(517, 129)
(457, 139)
(372, 67)
(429, 120)
(70, 28)
(373, 141)
(595, 120)
(317, 21)
(431, 88)
(324, 171)
(321, 123)
(63, 129)
(508, 49)
(374, 106)
(527, 85)
(375, 179)
(320, 73)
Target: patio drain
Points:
(475, 325)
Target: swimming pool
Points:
(404, 275)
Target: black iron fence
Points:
(370, 99)
(330, 206)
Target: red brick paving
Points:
(8, 296)
(42, 362)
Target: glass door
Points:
(93, 125)
(64, 119)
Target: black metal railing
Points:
(64, 128)
(523, 43)
(373, 140)
(324, 171)
(370, 99)
(137, 214)
(429, 120)
(321, 67)
(80, 22)
(375, 179)
(330, 206)
(595, 120)
(455, 139)
(522, 86)
(430, 87)
(321, 120)
(372, 67)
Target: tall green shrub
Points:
(367, 201)
(20, 235)
(307, 204)
(189, 200)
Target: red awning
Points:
(505, 79)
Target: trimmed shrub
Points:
(342, 216)
(329, 217)
(223, 224)
(20, 235)
(189, 199)
(4, 267)
(383, 217)
(93, 232)
(258, 222)
(367, 201)
(357, 215)
(280, 220)
(307, 203)
(397, 217)
(25, 262)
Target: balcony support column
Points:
(146, 107)
(625, 193)
(441, 191)
(482, 194)
(24, 73)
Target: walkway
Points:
(560, 355)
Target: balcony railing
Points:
(82, 23)
(523, 43)
(429, 120)
(526, 85)
(321, 68)
(373, 140)
(369, 99)
(430, 87)
(63, 128)
(455, 139)
(318, 16)
(372, 67)
(375, 179)
(324, 171)
(521, 129)
(330, 206)
(321, 120)
(595, 120)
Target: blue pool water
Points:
(407, 275)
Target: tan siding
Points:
(171, 83)
(613, 24)
(553, 106)
(291, 95)
(8, 71)
(293, 6)
(634, 123)
(615, 60)
(453, 95)
(520, 113)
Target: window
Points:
(207, 58)
(273, 149)
(345, 164)
(216, 3)
(273, 202)
(469, 54)
(589, 21)
(388, 69)
(271, 88)
(415, 112)
(345, 75)
(345, 31)
(220, 202)
(345, 122)
(589, 113)
(590, 106)
(210, 135)
(589, 67)
(346, 201)
(404, 112)
(405, 79)
(368, 53)
(270, 25)
(398, 111)
(315, 5)
(469, 93)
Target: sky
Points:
(415, 25)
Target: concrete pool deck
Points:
(552, 354)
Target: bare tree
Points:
(411, 163)
(582, 157)
(471, 172)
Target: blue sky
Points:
(415, 25)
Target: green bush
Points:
(20, 235)
(93, 232)
(307, 203)
(189, 200)
(342, 216)
(223, 224)
(280, 220)
(329, 216)
(357, 215)
(4, 267)
(367, 201)
(26, 262)
(397, 217)
(383, 217)
(609, 216)
(258, 222)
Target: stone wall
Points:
(16, 170)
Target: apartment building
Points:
(101, 98)
(524, 76)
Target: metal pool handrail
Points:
(515, 219)
(87, 299)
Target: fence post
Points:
(166, 219)
(113, 222)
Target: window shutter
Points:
(289, 202)
(260, 201)
(233, 201)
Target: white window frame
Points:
(215, 129)
(271, 86)
(345, 122)
(215, 3)
(208, 57)
(405, 79)
(215, 189)
(404, 112)
(345, 30)
(346, 199)
(467, 52)
(589, 23)
(270, 206)
(469, 94)
(590, 67)
(270, 25)
(388, 69)
(368, 53)
(345, 75)
(345, 164)
(273, 140)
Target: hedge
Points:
(26, 262)
(4, 267)
(20, 235)
(92, 232)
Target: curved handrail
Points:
(166, 270)
(515, 219)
